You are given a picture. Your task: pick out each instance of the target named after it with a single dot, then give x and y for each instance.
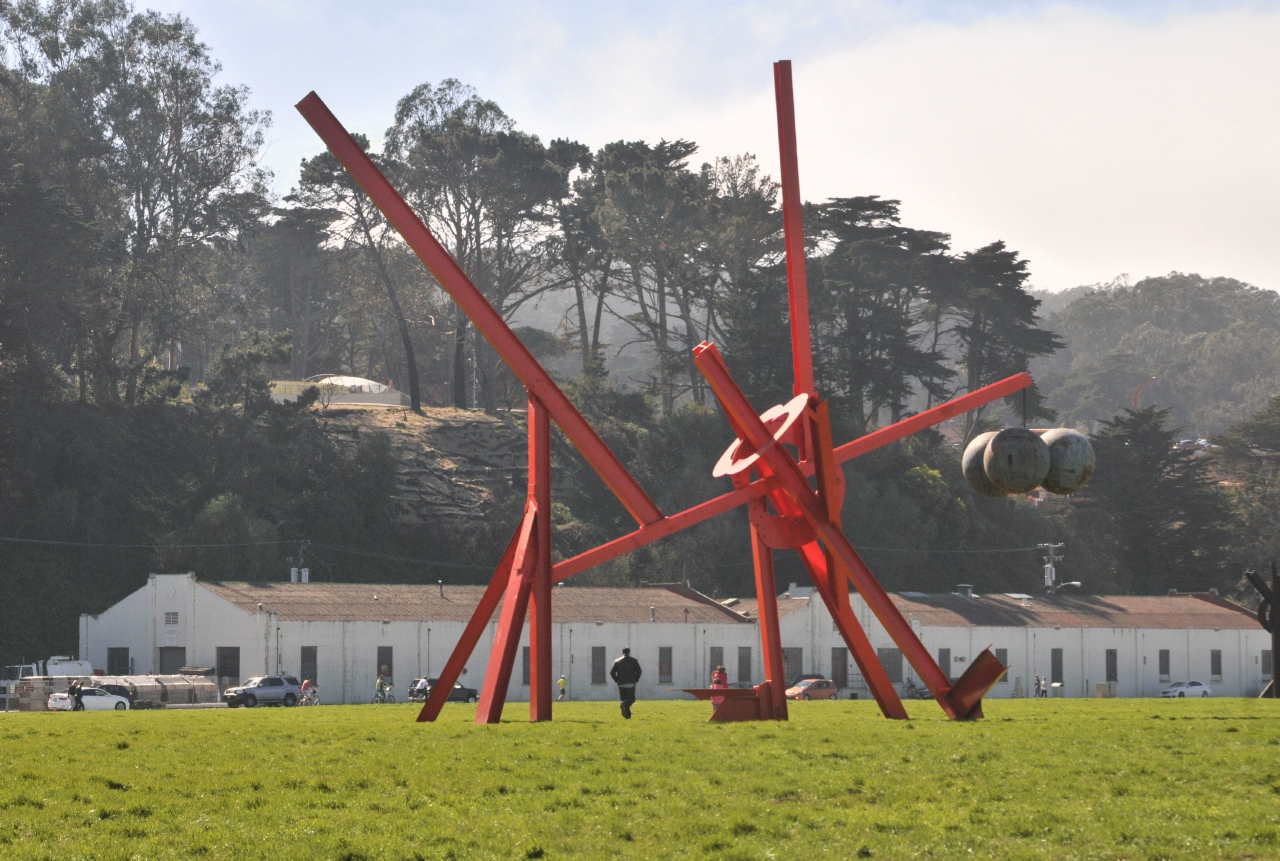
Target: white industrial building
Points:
(341, 635)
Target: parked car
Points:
(1187, 689)
(813, 689)
(94, 699)
(264, 690)
(459, 694)
(120, 691)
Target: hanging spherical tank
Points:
(971, 463)
(1016, 460)
(1071, 460)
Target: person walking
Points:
(77, 695)
(1035, 691)
(563, 684)
(626, 672)
(719, 681)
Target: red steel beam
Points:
(793, 231)
(540, 682)
(727, 502)
(502, 654)
(743, 417)
(488, 321)
(470, 634)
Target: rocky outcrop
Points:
(453, 467)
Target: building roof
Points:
(337, 602)
(1200, 610)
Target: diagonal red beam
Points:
(727, 502)
(515, 603)
(471, 633)
(793, 231)
(488, 321)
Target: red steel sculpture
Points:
(793, 500)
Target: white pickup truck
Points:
(58, 665)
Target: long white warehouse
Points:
(342, 635)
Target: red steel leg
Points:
(470, 634)
(510, 622)
(540, 682)
(770, 638)
(864, 655)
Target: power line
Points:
(139, 546)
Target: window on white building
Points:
(1113, 665)
(597, 665)
(524, 667)
(664, 664)
(1002, 655)
(716, 656)
(891, 660)
(228, 668)
(384, 661)
(840, 666)
(117, 662)
(1215, 665)
(1266, 662)
(744, 664)
(1055, 665)
(944, 662)
(171, 617)
(309, 668)
(1164, 665)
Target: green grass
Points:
(1140, 779)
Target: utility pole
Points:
(1051, 557)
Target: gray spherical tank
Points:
(971, 463)
(1071, 460)
(1016, 460)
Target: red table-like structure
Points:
(784, 467)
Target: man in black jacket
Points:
(626, 672)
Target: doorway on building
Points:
(172, 659)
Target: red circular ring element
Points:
(779, 420)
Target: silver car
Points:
(1188, 689)
(264, 690)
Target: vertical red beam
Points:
(515, 603)
(793, 231)
(770, 637)
(488, 321)
(540, 682)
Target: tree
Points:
(490, 192)
(1170, 521)
(868, 294)
(325, 183)
(121, 109)
(995, 324)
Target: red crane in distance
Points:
(786, 510)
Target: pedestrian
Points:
(1044, 687)
(626, 672)
(719, 681)
(1035, 690)
(563, 684)
(77, 695)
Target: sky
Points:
(1097, 139)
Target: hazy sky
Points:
(1095, 138)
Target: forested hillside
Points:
(1212, 344)
(151, 287)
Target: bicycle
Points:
(384, 697)
(912, 691)
(310, 698)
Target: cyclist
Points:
(380, 690)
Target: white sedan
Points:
(94, 699)
(1187, 689)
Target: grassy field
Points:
(1037, 779)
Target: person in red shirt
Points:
(719, 680)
